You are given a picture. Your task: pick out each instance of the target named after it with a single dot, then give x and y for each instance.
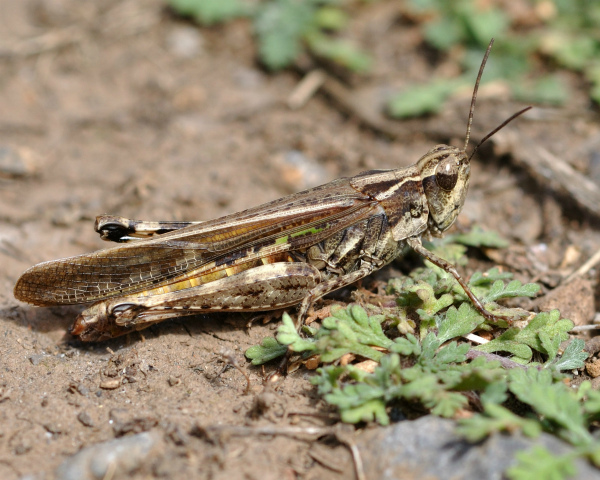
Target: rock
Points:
(185, 42)
(126, 422)
(429, 448)
(116, 458)
(86, 419)
(16, 162)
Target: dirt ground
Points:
(118, 107)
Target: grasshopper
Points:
(288, 251)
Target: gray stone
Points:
(116, 457)
(429, 448)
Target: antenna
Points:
(474, 98)
(472, 109)
(499, 127)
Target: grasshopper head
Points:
(445, 173)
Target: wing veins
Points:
(108, 273)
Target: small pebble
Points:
(185, 42)
(111, 384)
(16, 162)
(116, 458)
(36, 359)
(85, 419)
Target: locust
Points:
(289, 251)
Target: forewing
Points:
(307, 216)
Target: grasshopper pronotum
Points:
(288, 251)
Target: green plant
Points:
(285, 28)
(424, 364)
(210, 12)
(565, 32)
(561, 34)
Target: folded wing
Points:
(308, 216)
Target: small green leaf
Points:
(485, 23)
(459, 322)
(514, 289)
(549, 344)
(210, 12)
(546, 325)
(429, 346)
(408, 298)
(423, 99)
(288, 335)
(489, 277)
(452, 353)
(574, 52)
(554, 401)
(351, 330)
(538, 463)
(359, 402)
(547, 90)
(406, 346)
(549, 323)
(423, 292)
(573, 357)
(443, 32)
(592, 403)
(340, 51)
(331, 18)
(507, 343)
(477, 237)
(447, 404)
(328, 378)
(494, 419)
(268, 350)
(453, 252)
(280, 27)
(371, 410)
(359, 315)
(495, 392)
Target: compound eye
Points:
(446, 174)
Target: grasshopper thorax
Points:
(445, 173)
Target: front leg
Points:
(417, 246)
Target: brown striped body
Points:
(288, 251)
(350, 225)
